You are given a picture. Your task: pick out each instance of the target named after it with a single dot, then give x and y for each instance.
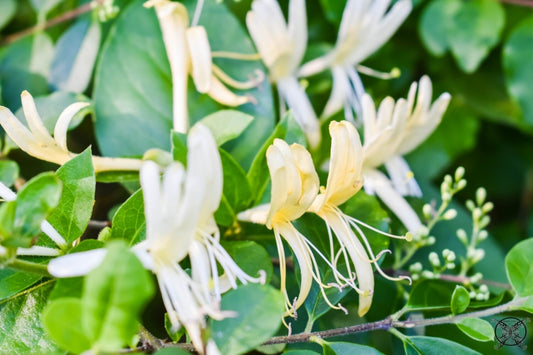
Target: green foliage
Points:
(460, 300)
(468, 29)
(22, 332)
(226, 124)
(476, 328)
(519, 267)
(105, 317)
(20, 220)
(255, 321)
(128, 222)
(432, 345)
(517, 54)
(74, 210)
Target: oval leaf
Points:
(460, 300)
(519, 267)
(476, 328)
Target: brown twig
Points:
(69, 15)
(526, 3)
(455, 278)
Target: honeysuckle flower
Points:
(189, 52)
(282, 47)
(294, 191)
(294, 187)
(37, 142)
(365, 26)
(179, 223)
(8, 195)
(395, 129)
(344, 181)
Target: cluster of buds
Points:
(448, 263)
(105, 9)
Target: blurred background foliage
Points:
(480, 51)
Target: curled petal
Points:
(61, 127)
(34, 120)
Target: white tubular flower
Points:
(282, 47)
(179, 222)
(344, 181)
(365, 26)
(7, 195)
(37, 142)
(189, 52)
(393, 130)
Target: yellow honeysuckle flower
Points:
(282, 47)
(189, 52)
(294, 191)
(37, 142)
(344, 181)
(365, 26)
(179, 211)
(395, 129)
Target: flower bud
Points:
(476, 278)
(415, 268)
(427, 211)
(461, 234)
(461, 184)
(484, 222)
(431, 240)
(448, 180)
(428, 274)
(459, 173)
(470, 205)
(446, 197)
(482, 235)
(434, 259)
(483, 288)
(450, 214)
(487, 207)
(481, 195)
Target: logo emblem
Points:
(510, 331)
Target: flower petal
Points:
(76, 264)
(200, 53)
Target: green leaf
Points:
(22, 331)
(460, 300)
(225, 216)
(179, 147)
(34, 203)
(72, 215)
(301, 352)
(255, 321)
(519, 267)
(476, 328)
(470, 29)
(25, 66)
(62, 320)
(350, 348)
(42, 7)
(174, 335)
(226, 124)
(114, 295)
(517, 54)
(7, 10)
(438, 346)
(128, 222)
(75, 56)
(251, 257)
(430, 294)
(434, 25)
(477, 26)
(236, 187)
(9, 172)
(13, 282)
(133, 86)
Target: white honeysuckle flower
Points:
(365, 26)
(189, 52)
(179, 213)
(37, 142)
(8, 195)
(344, 181)
(395, 129)
(294, 191)
(294, 187)
(282, 47)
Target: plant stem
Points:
(69, 15)
(28, 266)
